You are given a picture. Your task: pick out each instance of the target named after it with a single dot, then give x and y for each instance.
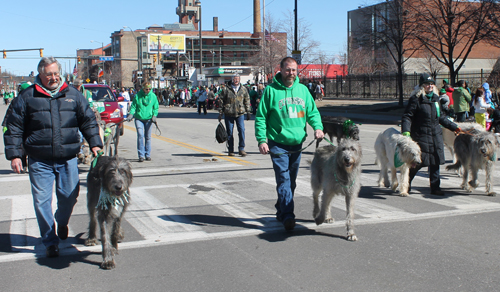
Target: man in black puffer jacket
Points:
(45, 120)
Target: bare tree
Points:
(449, 29)
(274, 49)
(305, 43)
(391, 32)
(430, 64)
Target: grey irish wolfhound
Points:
(449, 138)
(108, 185)
(340, 127)
(336, 171)
(475, 150)
(395, 151)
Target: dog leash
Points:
(157, 129)
(94, 161)
(300, 150)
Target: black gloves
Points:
(249, 115)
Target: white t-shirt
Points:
(126, 96)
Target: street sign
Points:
(139, 74)
(297, 56)
(87, 80)
(106, 58)
(200, 77)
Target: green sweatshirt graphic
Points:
(283, 113)
(144, 107)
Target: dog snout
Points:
(118, 187)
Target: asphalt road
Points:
(202, 221)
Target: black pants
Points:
(434, 178)
(460, 117)
(200, 105)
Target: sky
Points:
(62, 27)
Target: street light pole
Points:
(198, 4)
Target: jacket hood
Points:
(486, 86)
(450, 89)
(279, 82)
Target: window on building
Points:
(234, 42)
(235, 54)
(189, 43)
(144, 55)
(221, 42)
(214, 42)
(144, 42)
(117, 41)
(205, 42)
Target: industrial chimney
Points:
(256, 17)
(216, 24)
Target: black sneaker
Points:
(141, 159)
(62, 232)
(289, 224)
(52, 251)
(437, 192)
(148, 158)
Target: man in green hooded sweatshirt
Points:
(144, 109)
(280, 128)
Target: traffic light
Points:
(79, 59)
(4, 54)
(154, 59)
(41, 53)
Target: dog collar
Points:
(106, 199)
(341, 184)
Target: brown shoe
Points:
(230, 154)
(242, 153)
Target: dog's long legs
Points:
(489, 172)
(383, 179)
(349, 203)
(473, 182)
(324, 215)
(465, 179)
(92, 239)
(107, 249)
(394, 179)
(405, 180)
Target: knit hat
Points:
(426, 78)
(446, 81)
(442, 91)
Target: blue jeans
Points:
(144, 128)
(230, 121)
(42, 175)
(286, 168)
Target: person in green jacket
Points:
(461, 101)
(280, 128)
(144, 109)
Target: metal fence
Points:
(384, 86)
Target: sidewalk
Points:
(373, 111)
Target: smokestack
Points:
(216, 24)
(256, 17)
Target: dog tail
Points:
(455, 166)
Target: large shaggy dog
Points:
(395, 151)
(340, 127)
(107, 199)
(475, 150)
(336, 171)
(449, 136)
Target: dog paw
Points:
(108, 265)
(403, 194)
(319, 220)
(394, 187)
(473, 184)
(90, 242)
(492, 194)
(352, 237)
(329, 220)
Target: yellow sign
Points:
(87, 80)
(167, 43)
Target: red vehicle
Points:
(107, 104)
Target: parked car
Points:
(107, 104)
